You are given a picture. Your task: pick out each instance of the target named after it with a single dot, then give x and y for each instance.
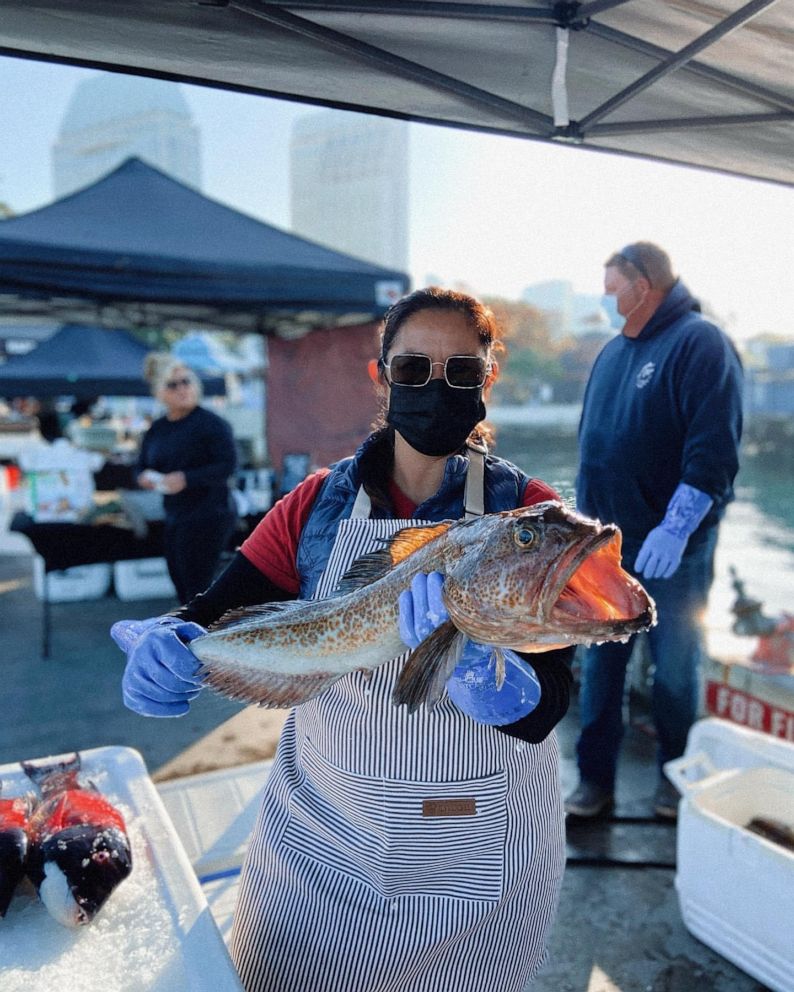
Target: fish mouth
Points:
(593, 593)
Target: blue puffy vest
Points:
(504, 489)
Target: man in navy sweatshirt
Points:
(658, 442)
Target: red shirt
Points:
(272, 547)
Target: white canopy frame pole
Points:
(559, 81)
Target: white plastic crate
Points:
(735, 888)
(142, 578)
(214, 813)
(71, 584)
(159, 929)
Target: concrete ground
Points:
(619, 928)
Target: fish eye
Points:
(524, 535)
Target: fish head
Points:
(542, 575)
(79, 867)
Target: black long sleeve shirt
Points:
(202, 446)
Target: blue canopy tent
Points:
(138, 248)
(84, 362)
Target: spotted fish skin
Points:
(529, 579)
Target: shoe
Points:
(589, 800)
(665, 800)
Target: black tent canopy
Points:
(84, 362)
(137, 247)
(708, 84)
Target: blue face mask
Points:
(610, 304)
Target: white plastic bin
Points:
(71, 584)
(142, 578)
(735, 888)
(156, 933)
(214, 813)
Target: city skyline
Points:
(493, 214)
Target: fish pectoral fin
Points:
(428, 668)
(373, 566)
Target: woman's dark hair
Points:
(378, 466)
(434, 298)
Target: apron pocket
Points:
(433, 839)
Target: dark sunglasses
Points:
(460, 371)
(176, 383)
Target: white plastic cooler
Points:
(735, 888)
(156, 932)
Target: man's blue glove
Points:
(160, 678)
(472, 686)
(663, 548)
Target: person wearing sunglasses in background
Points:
(189, 456)
(659, 442)
(392, 851)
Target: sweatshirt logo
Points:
(644, 375)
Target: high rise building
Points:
(567, 312)
(112, 117)
(349, 184)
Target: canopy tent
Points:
(701, 83)
(140, 248)
(84, 362)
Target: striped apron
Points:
(397, 852)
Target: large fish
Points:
(79, 851)
(528, 579)
(14, 814)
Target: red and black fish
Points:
(14, 815)
(78, 846)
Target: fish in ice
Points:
(14, 815)
(528, 579)
(79, 850)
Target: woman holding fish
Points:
(402, 847)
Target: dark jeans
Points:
(193, 550)
(675, 646)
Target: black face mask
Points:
(435, 419)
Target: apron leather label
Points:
(449, 807)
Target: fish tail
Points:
(269, 689)
(44, 774)
(428, 668)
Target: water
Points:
(756, 534)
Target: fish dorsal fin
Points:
(245, 614)
(373, 566)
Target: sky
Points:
(493, 214)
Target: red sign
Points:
(740, 707)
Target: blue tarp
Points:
(84, 362)
(140, 248)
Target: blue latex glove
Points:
(160, 678)
(472, 686)
(663, 548)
